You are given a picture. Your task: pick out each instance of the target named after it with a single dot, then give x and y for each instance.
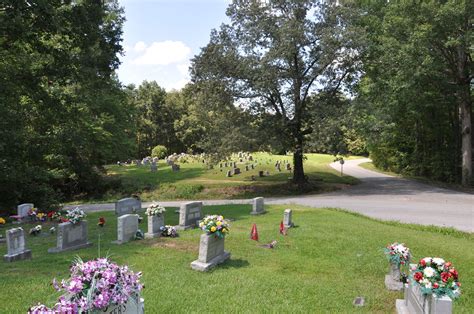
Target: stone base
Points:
(289, 226)
(401, 306)
(257, 213)
(77, 247)
(26, 254)
(393, 285)
(200, 266)
(152, 235)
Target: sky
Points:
(161, 36)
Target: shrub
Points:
(159, 151)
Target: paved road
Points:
(379, 196)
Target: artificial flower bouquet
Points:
(398, 253)
(2, 221)
(94, 286)
(75, 215)
(155, 210)
(435, 276)
(215, 224)
(35, 230)
(168, 231)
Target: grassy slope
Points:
(330, 258)
(194, 181)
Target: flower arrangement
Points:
(75, 215)
(155, 210)
(101, 222)
(215, 224)
(35, 230)
(2, 221)
(56, 216)
(139, 235)
(168, 231)
(398, 253)
(41, 216)
(52, 230)
(32, 212)
(435, 276)
(93, 286)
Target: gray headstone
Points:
(127, 206)
(153, 167)
(71, 237)
(175, 167)
(16, 249)
(260, 174)
(246, 168)
(154, 224)
(288, 167)
(228, 174)
(392, 280)
(236, 171)
(189, 215)
(287, 221)
(250, 158)
(258, 206)
(416, 302)
(252, 166)
(127, 226)
(22, 209)
(211, 253)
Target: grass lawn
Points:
(195, 181)
(321, 266)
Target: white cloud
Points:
(163, 53)
(184, 68)
(139, 46)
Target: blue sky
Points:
(161, 36)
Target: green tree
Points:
(274, 54)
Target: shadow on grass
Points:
(234, 263)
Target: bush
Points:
(159, 151)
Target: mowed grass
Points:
(330, 258)
(196, 181)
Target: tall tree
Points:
(275, 53)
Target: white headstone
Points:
(127, 226)
(16, 249)
(258, 206)
(23, 209)
(154, 224)
(211, 253)
(287, 218)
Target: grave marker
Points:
(258, 206)
(127, 226)
(71, 237)
(287, 221)
(16, 249)
(189, 215)
(211, 252)
(154, 224)
(127, 206)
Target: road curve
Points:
(379, 196)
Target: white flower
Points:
(427, 260)
(428, 285)
(429, 272)
(438, 261)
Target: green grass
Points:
(321, 266)
(195, 181)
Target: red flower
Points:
(418, 276)
(448, 264)
(435, 285)
(101, 222)
(64, 219)
(51, 213)
(445, 276)
(454, 272)
(422, 263)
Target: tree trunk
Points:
(464, 97)
(298, 171)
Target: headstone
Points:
(127, 226)
(258, 206)
(211, 253)
(236, 171)
(252, 178)
(250, 158)
(175, 167)
(288, 167)
(416, 302)
(287, 221)
(220, 165)
(252, 166)
(155, 159)
(16, 249)
(279, 168)
(260, 173)
(228, 174)
(225, 164)
(138, 162)
(127, 206)
(241, 160)
(70, 237)
(189, 215)
(134, 305)
(22, 210)
(153, 167)
(246, 168)
(154, 224)
(392, 280)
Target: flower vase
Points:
(392, 280)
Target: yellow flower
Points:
(201, 224)
(224, 230)
(2, 221)
(213, 229)
(219, 223)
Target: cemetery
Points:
(331, 255)
(254, 156)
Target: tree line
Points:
(389, 79)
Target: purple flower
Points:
(75, 285)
